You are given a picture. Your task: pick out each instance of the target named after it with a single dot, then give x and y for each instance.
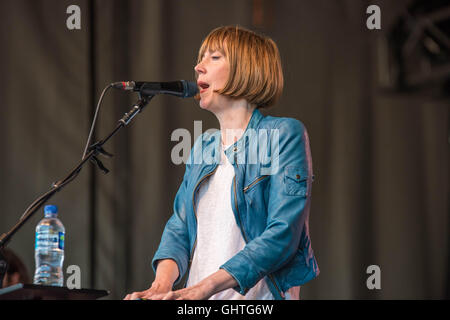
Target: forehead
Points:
(213, 43)
(212, 51)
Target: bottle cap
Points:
(50, 209)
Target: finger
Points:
(135, 295)
(149, 294)
(168, 296)
(127, 297)
(171, 295)
(157, 296)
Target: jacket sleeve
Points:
(175, 238)
(285, 210)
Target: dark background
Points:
(380, 155)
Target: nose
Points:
(200, 68)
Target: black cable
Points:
(57, 186)
(95, 119)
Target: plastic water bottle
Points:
(49, 249)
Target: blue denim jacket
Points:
(270, 197)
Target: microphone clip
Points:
(99, 150)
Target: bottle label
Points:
(61, 240)
(49, 240)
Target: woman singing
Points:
(239, 228)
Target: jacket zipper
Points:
(243, 231)
(195, 214)
(254, 182)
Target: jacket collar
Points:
(239, 146)
(213, 143)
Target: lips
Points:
(203, 86)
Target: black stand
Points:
(94, 149)
(22, 291)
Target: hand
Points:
(197, 292)
(166, 273)
(156, 289)
(216, 282)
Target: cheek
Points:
(224, 74)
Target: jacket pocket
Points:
(295, 181)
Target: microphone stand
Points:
(94, 150)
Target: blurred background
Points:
(375, 103)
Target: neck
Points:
(234, 119)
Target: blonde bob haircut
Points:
(255, 65)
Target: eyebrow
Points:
(219, 50)
(210, 51)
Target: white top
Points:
(218, 236)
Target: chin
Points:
(209, 103)
(204, 104)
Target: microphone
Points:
(182, 88)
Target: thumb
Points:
(171, 295)
(136, 295)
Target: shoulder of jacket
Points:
(205, 140)
(284, 124)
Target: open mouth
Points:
(203, 86)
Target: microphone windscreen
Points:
(190, 89)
